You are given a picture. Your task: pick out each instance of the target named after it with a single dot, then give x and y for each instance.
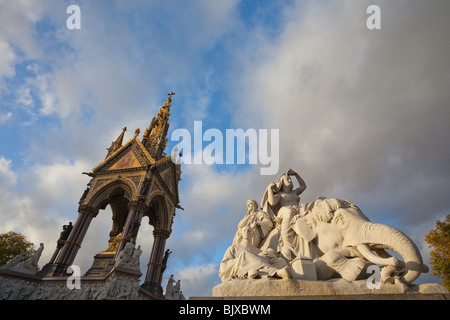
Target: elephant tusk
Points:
(369, 255)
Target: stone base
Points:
(48, 270)
(103, 263)
(119, 284)
(291, 288)
(154, 288)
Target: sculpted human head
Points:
(284, 183)
(246, 233)
(252, 205)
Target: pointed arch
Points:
(159, 208)
(103, 195)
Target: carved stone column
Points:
(135, 214)
(153, 277)
(73, 243)
(61, 242)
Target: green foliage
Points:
(12, 244)
(439, 240)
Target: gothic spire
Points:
(115, 145)
(154, 138)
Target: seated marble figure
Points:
(245, 260)
(260, 222)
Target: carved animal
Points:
(344, 236)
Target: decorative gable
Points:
(130, 156)
(168, 176)
(127, 161)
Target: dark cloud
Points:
(363, 115)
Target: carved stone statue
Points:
(132, 234)
(145, 185)
(166, 257)
(173, 289)
(170, 287)
(134, 260)
(64, 235)
(281, 200)
(260, 222)
(66, 231)
(129, 257)
(25, 263)
(244, 260)
(83, 196)
(331, 237)
(164, 261)
(113, 243)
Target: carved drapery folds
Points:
(321, 240)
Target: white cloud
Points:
(43, 90)
(7, 60)
(7, 177)
(24, 97)
(46, 200)
(18, 212)
(48, 103)
(5, 117)
(196, 281)
(16, 26)
(210, 198)
(363, 115)
(348, 101)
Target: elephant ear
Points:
(304, 229)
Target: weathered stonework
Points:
(304, 288)
(121, 282)
(325, 249)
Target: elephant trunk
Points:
(380, 236)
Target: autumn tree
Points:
(439, 240)
(12, 244)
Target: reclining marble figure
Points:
(244, 260)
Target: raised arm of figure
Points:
(272, 197)
(301, 182)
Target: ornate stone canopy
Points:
(136, 179)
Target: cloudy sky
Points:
(362, 114)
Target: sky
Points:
(362, 114)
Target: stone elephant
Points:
(342, 240)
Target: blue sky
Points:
(363, 115)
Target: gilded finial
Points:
(169, 100)
(136, 132)
(146, 133)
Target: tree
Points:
(439, 239)
(13, 244)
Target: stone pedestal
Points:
(332, 289)
(48, 270)
(103, 263)
(153, 289)
(121, 283)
